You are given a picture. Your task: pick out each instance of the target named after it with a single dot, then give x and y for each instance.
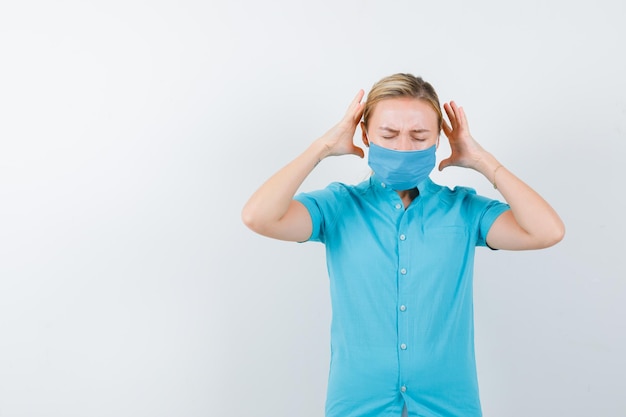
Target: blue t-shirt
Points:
(401, 292)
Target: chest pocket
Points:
(444, 232)
(447, 242)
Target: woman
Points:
(400, 250)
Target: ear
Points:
(437, 143)
(366, 141)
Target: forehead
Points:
(404, 112)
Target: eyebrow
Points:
(389, 129)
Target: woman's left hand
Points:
(531, 223)
(465, 151)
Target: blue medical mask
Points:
(401, 170)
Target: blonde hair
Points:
(402, 85)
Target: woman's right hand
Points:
(272, 211)
(339, 140)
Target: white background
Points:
(132, 133)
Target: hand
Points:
(339, 140)
(466, 152)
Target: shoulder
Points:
(465, 199)
(452, 195)
(326, 205)
(338, 190)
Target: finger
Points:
(357, 99)
(360, 95)
(358, 152)
(359, 112)
(463, 118)
(444, 164)
(457, 111)
(447, 130)
(460, 114)
(451, 116)
(355, 109)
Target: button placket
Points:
(407, 238)
(404, 256)
(402, 307)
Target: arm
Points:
(271, 211)
(531, 223)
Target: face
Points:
(403, 124)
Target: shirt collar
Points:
(425, 188)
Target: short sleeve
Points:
(323, 206)
(492, 210)
(481, 212)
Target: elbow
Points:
(559, 233)
(554, 235)
(248, 218)
(251, 219)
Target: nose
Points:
(403, 144)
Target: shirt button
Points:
(403, 271)
(382, 184)
(398, 206)
(402, 308)
(403, 388)
(403, 346)
(402, 237)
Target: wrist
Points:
(319, 150)
(486, 165)
(490, 168)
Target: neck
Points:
(407, 196)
